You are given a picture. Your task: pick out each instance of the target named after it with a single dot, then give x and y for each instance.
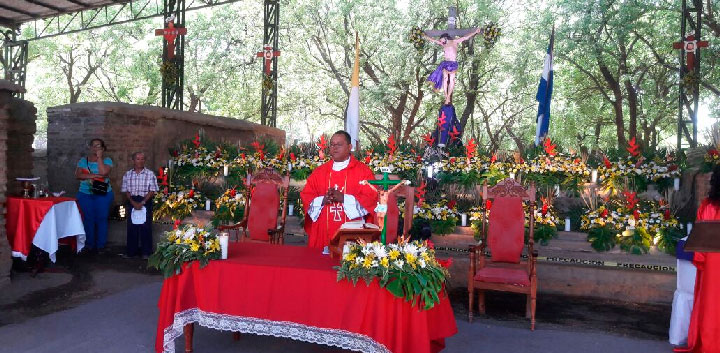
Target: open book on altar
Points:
(359, 225)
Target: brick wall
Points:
(20, 132)
(127, 128)
(6, 107)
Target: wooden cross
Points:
(170, 33)
(690, 45)
(385, 182)
(451, 30)
(268, 54)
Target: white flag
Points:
(352, 124)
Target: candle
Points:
(225, 170)
(291, 208)
(594, 176)
(689, 228)
(463, 219)
(223, 238)
(289, 167)
(207, 205)
(512, 175)
(557, 190)
(676, 184)
(567, 224)
(430, 171)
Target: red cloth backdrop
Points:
(24, 216)
(293, 292)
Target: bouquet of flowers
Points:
(443, 216)
(176, 205)
(184, 244)
(407, 269)
(229, 207)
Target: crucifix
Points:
(381, 208)
(170, 33)
(268, 54)
(444, 76)
(336, 209)
(690, 45)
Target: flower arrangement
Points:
(443, 216)
(490, 34)
(416, 38)
(229, 207)
(407, 269)
(184, 244)
(176, 205)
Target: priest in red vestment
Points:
(704, 332)
(333, 194)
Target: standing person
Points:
(333, 194)
(95, 205)
(704, 332)
(139, 185)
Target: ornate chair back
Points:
(506, 222)
(267, 188)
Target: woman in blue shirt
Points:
(95, 207)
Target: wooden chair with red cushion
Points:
(504, 233)
(393, 211)
(260, 221)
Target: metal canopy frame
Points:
(268, 110)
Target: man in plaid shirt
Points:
(139, 185)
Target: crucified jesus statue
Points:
(444, 76)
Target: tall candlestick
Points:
(430, 171)
(223, 238)
(291, 209)
(567, 224)
(225, 170)
(463, 219)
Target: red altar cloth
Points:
(24, 216)
(289, 291)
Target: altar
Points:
(293, 292)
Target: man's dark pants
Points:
(142, 232)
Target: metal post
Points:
(14, 60)
(689, 96)
(268, 110)
(172, 88)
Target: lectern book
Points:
(704, 237)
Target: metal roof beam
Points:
(16, 10)
(47, 6)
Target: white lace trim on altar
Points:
(331, 337)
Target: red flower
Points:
(176, 224)
(191, 193)
(636, 214)
(667, 216)
(292, 157)
(633, 148)
(445, 263)
(607, 163)
(420, 193)
(196, 141)
(577, 161)
(322, 143)
(452, 160)
(549, 147)
(442, 121)
(233, 192)
(488, 204)
(604, 213)
(429, 139)
(165, 191)
(454, 133)
(430, 244)
(713, 152)
(470, 149)
(493, 158)
(451, 204)
(391, 144)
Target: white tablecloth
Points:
(63, 220)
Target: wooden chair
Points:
(504, 234)
(260, 219)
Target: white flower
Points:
(399, 263)
(410, 248)
(359, 260)
(189, 234)
(374, 263)
(421, 262)
(379, 250)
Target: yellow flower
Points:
(368, 262)
(194, 247)
(393, 254)
(410, 258)
(350, 257)
(385, 262)
(177, 241)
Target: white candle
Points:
(594, 176)
(567, 224)
(676, 184)
(225, 170)
(689, 228)
(463, 219)
(289, 167)
(430, 171)
(207, 205)
(291, 208)
(223, 238)
(512, 175)
(557, 190)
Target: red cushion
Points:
(506, 229)
(264, 205)
(503, 275)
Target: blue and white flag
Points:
(544, 94)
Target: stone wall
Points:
(6, 109)
(21, 131)
(127, 128)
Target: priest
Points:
(333, 194)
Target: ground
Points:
(121, 294)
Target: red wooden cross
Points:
(169, 33)
(690, 45)
(268, 54)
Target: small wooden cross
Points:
(170, 33)
(385, 182)
(451, 30)
(690, 45)
(268, 54)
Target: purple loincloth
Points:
(437, 75)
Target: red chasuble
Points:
(333, 216)
(704, 332)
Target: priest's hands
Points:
(333, 196)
